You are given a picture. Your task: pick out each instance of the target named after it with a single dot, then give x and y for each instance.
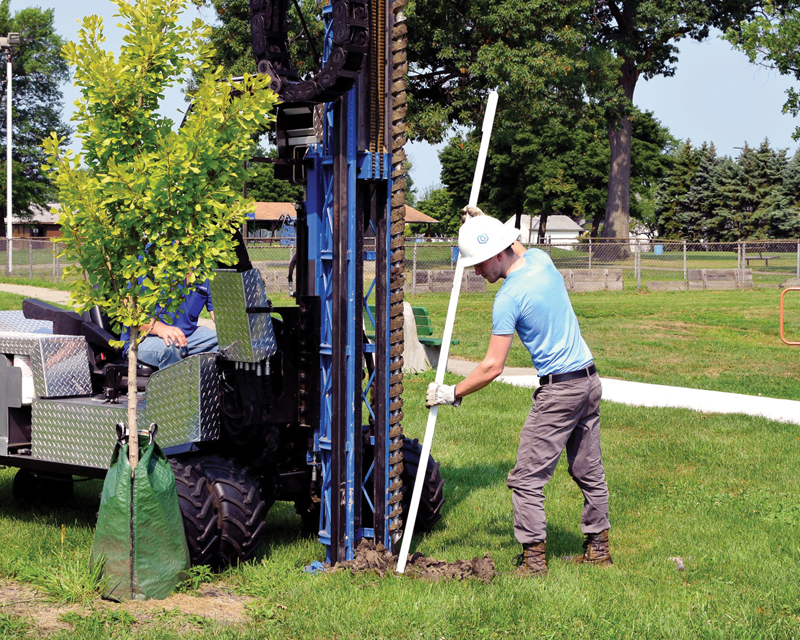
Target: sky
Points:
(716, 95)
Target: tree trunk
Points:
(133, 432)
(616, 223)
(542, 228)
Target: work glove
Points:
(441, 394)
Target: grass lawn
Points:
(721, 492)
(719, 340)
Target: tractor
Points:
(298, 405)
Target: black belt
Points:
(572, 375)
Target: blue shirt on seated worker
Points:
(180, 336)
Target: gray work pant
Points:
(565, 415)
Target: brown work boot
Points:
(531, 561)
(596, 551)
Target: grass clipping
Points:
(371, 557)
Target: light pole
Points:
(7, 45)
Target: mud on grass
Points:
(24, 612)
(371, 557)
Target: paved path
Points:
(48, 295)
(631, 393)
(640, 394)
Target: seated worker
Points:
(167, 343)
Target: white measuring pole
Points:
(488, 120)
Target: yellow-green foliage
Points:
(137, 183)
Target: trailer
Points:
(298, 405)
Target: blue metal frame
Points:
(359, 165)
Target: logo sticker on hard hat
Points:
(483, 238)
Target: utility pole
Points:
(7, 45)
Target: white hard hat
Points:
(483, 237)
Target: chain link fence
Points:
(637, 264)
(31, 259)
(586, 266)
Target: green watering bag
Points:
(139, 536)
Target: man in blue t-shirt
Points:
(169, 342)
(533, 302)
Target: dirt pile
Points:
(371, 557)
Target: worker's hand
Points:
(470, 212)
(441, 394)
(170, 334)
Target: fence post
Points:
(58, 269)
(798, 259)
(638, 267)
(590, 252)
(743, 261)
(685, 274)
(30, 259)
(54, 260)
(739, 255)
(414, 269)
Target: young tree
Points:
(37, 73)
(147, 211)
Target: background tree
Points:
(672, 190)
(784, 220)
(554, 166)
(155, 209)
(230, 35)
(704, 197)
(535, 51)
(438, 203)
(37, 73)
(643, 34)
(770, 36)
(263, 186)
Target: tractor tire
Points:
(432, 499)
(239, 507)
(37, 487)
(200, 522)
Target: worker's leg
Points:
(202, 340)
(585, 461)
(556, 411)
(154, 352)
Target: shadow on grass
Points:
(80, 509)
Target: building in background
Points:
(41, 224)
(560, 230)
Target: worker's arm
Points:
(492, 366)
(167, 332)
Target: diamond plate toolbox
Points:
(243, 337)
(77, 431)
(183, 400)
(59, 363)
